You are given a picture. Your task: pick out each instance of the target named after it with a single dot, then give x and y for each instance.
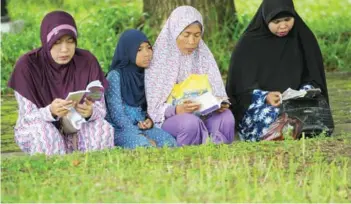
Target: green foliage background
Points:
(101, 22)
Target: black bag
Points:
(313, 111)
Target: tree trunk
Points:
(216, 13)
(4, 12)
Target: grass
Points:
(291, 171)
(339, 93)
(8, 121)
(313, 170)
(339, 88)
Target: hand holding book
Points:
(224, 106)
(85, 109)
(203, 104)
(93, 92)
(292, 94)
(274, 98)
(209, 103)
(81, 106)
(187, 106)
(58, 107)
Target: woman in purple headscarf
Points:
(41, 80)
(179, 52)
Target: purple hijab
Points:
(39, 79)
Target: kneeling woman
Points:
(125, 97)
(42, 79)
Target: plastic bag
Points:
(195, 85)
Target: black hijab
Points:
(132, 76)
(262, 60)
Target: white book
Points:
(93, 92)
(292, 93)
(208, 103)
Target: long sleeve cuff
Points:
(170, 111)
(46, 114)
(95, 115)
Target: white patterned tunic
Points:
(35, 132)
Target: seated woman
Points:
(179, 52)
(42, 79)
(125, 97)
(277, 51)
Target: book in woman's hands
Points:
(93, 92)
(208, 103)
(291, 93)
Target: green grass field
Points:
(313, 170)
(309, 170)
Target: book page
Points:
(95, 90)
(208, 102)
(95, 83)
(291, 93)
(314, 90)
(76, 96)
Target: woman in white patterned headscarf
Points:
(178, 52)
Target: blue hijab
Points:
(131, 76)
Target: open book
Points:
(208, 103)
(93, 92)
(291, 93)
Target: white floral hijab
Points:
(169, 66)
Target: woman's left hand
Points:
(146, 124)
(85, 109)
(224, 107)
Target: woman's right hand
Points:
(187, 107)
(273, 98)
(60, 107)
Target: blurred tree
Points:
(216, 13)
(4, 12)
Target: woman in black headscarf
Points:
(277, 51)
